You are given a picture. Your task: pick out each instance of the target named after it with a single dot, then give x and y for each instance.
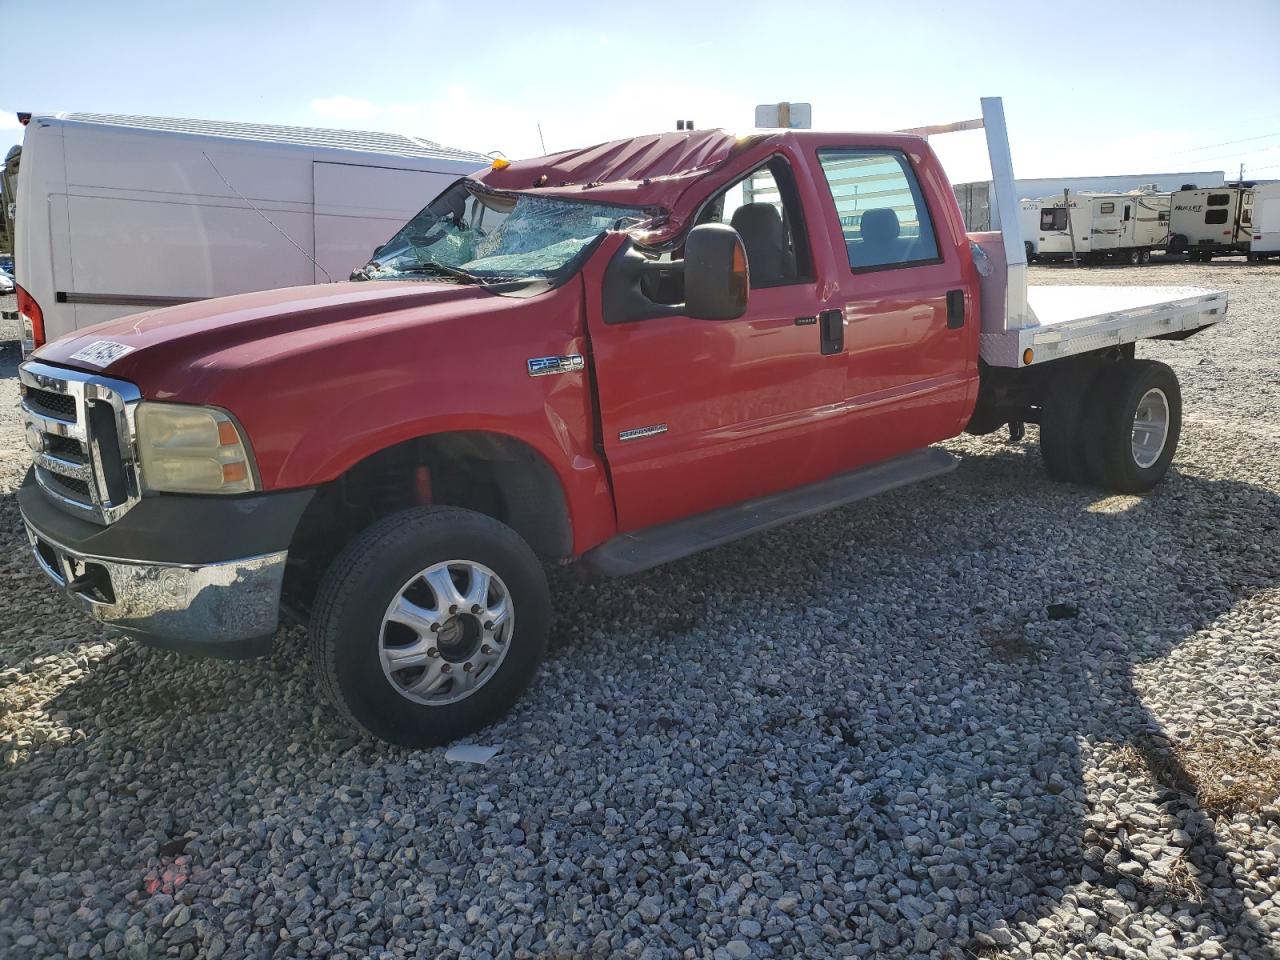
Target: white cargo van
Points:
(1126, 226)
(1264, 242)
(1213, 222)
(1029, 223)
(117, 214)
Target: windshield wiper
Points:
(443, 269)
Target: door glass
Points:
(763, 208)
(883, 216)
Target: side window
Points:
(1053, 219)
(1215, 216)
(764, 208)
(1218, 199)
(1108, 207)
(882, 212)
(1127, 211)
(1163, 216)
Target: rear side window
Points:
(1218, 199)
(1215, 216)
(1055, 219)
(1108, 207)
(883, 215)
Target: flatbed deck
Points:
(1076, 319)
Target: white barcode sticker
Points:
(102, 353)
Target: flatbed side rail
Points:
(1184, 315)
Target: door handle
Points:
(955, 309)
(831, 323)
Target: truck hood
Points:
(234, 331)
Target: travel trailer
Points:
(117, 215)
(1125, 226)
(1211, 222)
(1264, 242)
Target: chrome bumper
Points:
(221, 609)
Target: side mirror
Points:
(716, 274)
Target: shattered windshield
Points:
(472, 236)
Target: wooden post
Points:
(1071, 230)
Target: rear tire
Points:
(1135, 257)
(1146, 256)
(357, 645)
(1133, 420)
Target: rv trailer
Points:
(1265, 242)
(1211, 222)
(1123, 226)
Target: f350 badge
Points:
(544, 366)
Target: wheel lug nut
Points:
(453, 608)
(446, 668)
(466, 667)
(433, 652)
(488, 624)
(435, 628)
(485, 649)
(475, 608)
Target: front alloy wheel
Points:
(430, 624)
(446, 633)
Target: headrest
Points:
(758, 220)
(879, 225)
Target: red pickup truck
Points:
(618, 355)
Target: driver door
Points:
(700, 414)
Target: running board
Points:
(633, 552)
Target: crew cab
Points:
(618, 356)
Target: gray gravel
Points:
(987, 717)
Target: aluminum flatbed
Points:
(1071, 319)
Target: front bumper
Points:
(201, 575)
(228, 609)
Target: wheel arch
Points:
(493, 473)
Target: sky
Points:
(1090, 88)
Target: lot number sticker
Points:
(102, 353)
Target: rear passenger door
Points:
(910, 328)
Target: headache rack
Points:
(80, 428)
(1023, 325)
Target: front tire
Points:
(1132, 424)
(429, 625)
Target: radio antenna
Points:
(255, 209)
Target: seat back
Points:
(763, 235)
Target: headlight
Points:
(187, 449)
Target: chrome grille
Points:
(80, 427)
(60, 405)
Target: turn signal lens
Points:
(500, 163)
(189, 449)
(1027, 356)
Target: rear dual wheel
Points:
(1118, 430)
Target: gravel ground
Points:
(987, 717)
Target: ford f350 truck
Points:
(619, 355)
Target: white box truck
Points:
(1125, 226)
(117, 214)
(1217, 221)
(1264, 242)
